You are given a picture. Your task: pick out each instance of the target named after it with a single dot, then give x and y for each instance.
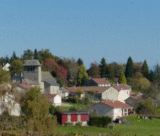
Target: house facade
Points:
(113, 109)
(55, 99)
(74, 117)
(6, 67)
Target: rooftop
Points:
(32, 63)
(73, 112)
(116, 104)
(100, 81)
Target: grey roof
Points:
(73, 112)
(32, 63)
(47, 77)
(27, 81)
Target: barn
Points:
(74, 117)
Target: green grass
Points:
(136, 90)
(141, 128)
(78, 106)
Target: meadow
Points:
(141, 127)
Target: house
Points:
(23, 87)
(123, 92)
(6, 67)
(113, 109)
(33, 76)
(134, 97)
(74, 117)
(98, 82)
(7, 102)
(63, 92)
(55, 99)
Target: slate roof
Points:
(97, 89)
(73, 112)
(120, 87)
(116, 104)
(47, 77)
(32, 63)
(100, 81)
(28, 81)
(25, 86)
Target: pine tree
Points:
(151, 76)
(145, 70)
(80, 61)
(103, 67)
(122, 79)
(35, 54)
(13, 57)
(129, 68)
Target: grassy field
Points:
(141, 128)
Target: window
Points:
(125, 110)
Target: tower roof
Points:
(32, 63)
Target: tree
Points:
(6, 59)
(80, 92)
(36, 55)
(35, 107)
(93, 71)
(82, 76)
(145, 70)
(16, 67)
(80, 61)
(110, 73)
(129, 71)
(4, 76)
(122, 79)
(103, 67)
(13, 57)
(27, 55)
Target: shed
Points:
(74, 117)
(55, 99)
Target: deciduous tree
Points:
(82, 76)
(122, 79)
(93, 71)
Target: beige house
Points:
(113, 109)
(6, 67)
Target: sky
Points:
(86, 29)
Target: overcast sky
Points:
(89, 29)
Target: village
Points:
(76, 105)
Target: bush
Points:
(79, 124)
(99, 121)
(53, 110)
(69, 123)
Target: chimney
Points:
(117, 84)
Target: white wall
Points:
(57, 100)
(123, 95)
(117, 112)
(54, 89)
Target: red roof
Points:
(100, 81)
(26, 86)
(116, 104)
(51, 95)
(120, 87)
(97, 89)
(134, 93)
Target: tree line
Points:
(71, 72)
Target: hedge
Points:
(99, 121)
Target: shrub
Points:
(69, 123)
(80, 92)
(53, 110)
(99, 121)
(79, 124)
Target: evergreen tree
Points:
(103, 67)
(6, 60)
(122, 79)
(35, 54)
(145, 70)
(111, 75)
(93, 71)
(13, 57)
(151, 76)
(129, 71)
(80, 61)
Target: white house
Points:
(7, 102)
(6, 67)
(112, 109)
(55, 99)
